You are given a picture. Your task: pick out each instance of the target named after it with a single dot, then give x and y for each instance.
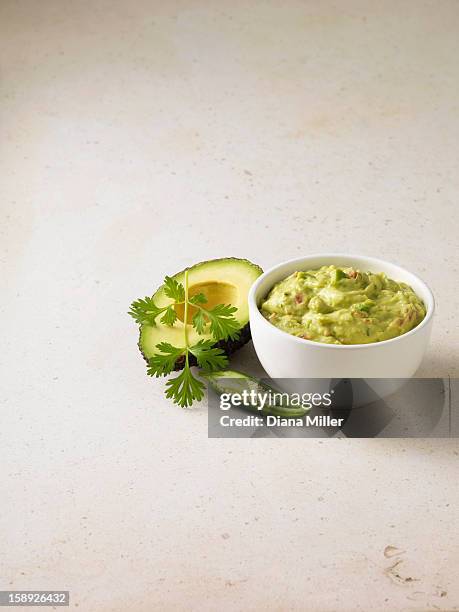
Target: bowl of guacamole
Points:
(339, 315)
(342, 305)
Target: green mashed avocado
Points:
(343, 306)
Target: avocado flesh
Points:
(222, 281)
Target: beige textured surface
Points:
(137, 138)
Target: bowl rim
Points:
(253, 306)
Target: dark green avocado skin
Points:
(229, 346)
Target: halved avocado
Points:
(222, 281)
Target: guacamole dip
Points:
(340, 305)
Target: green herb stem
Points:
(185, 314)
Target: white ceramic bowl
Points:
(285, 356)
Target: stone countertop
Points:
(139, 138)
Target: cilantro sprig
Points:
(218, 321)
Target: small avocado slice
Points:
(222, 281)
(234, 382)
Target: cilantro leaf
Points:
(199, 321)
(184, 388)
(145, 311)
(174, 289)
(222, 323)
(208, 356)
(170, 316)
(164, 362)
(199, 298)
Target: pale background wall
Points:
(141, 137)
